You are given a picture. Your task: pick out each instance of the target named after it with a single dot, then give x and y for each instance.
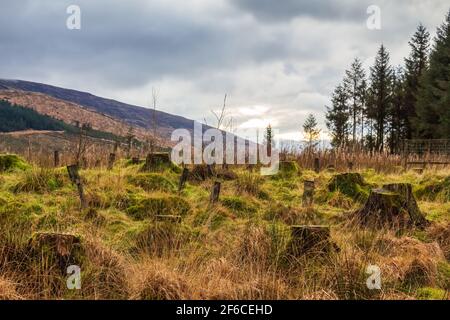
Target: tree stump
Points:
(308, 193)
(183, 179)
(393, 206)
(409, 202)
(75, 179)
(310, 239)
(215, 192)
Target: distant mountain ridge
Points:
(131, 114)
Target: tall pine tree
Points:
(433, 103)
(415, 65)
(380, 95)
(354, 82)
(337, 117)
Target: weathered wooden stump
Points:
(316, 165)
(393, 206)
(310, 239)
(56, 159)
(215, 192)
(408, 202)
(111, 160)
(183, 179)
(308, 193)
(74, 177)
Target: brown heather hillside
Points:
(71, 113)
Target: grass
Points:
(235, 249)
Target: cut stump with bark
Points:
(392, 206)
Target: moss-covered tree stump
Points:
(408, 202)
(393, 206)
(351, 184)
(310, 239)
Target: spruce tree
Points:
(354, 82)
(415, 65)
(380, 95)
(337, 117)
(433, 103)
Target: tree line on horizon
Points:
(378, 110)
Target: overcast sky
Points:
(276, 60)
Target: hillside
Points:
(134, 115)
(18, 118)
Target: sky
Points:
(277, 61)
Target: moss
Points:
(11, 162)
(152, 182)
(350, 184)
(159, 205)
(240, 206)
(215, 218)
(286, 170)
(428, 293)
(434, 190)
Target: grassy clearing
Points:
(236, 249)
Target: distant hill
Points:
(133, 115)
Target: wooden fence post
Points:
(183, 178)
(215, 192)
(316, 165)
(111, 160)
(350, 165)
(75, 178)
(56, 158)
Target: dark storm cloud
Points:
(269, 10)
(285, 55)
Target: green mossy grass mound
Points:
(161, 204)
(240, 206)
(12, 162)
(350, 184)
(152, 182)
(434, 190)
(40, 180)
